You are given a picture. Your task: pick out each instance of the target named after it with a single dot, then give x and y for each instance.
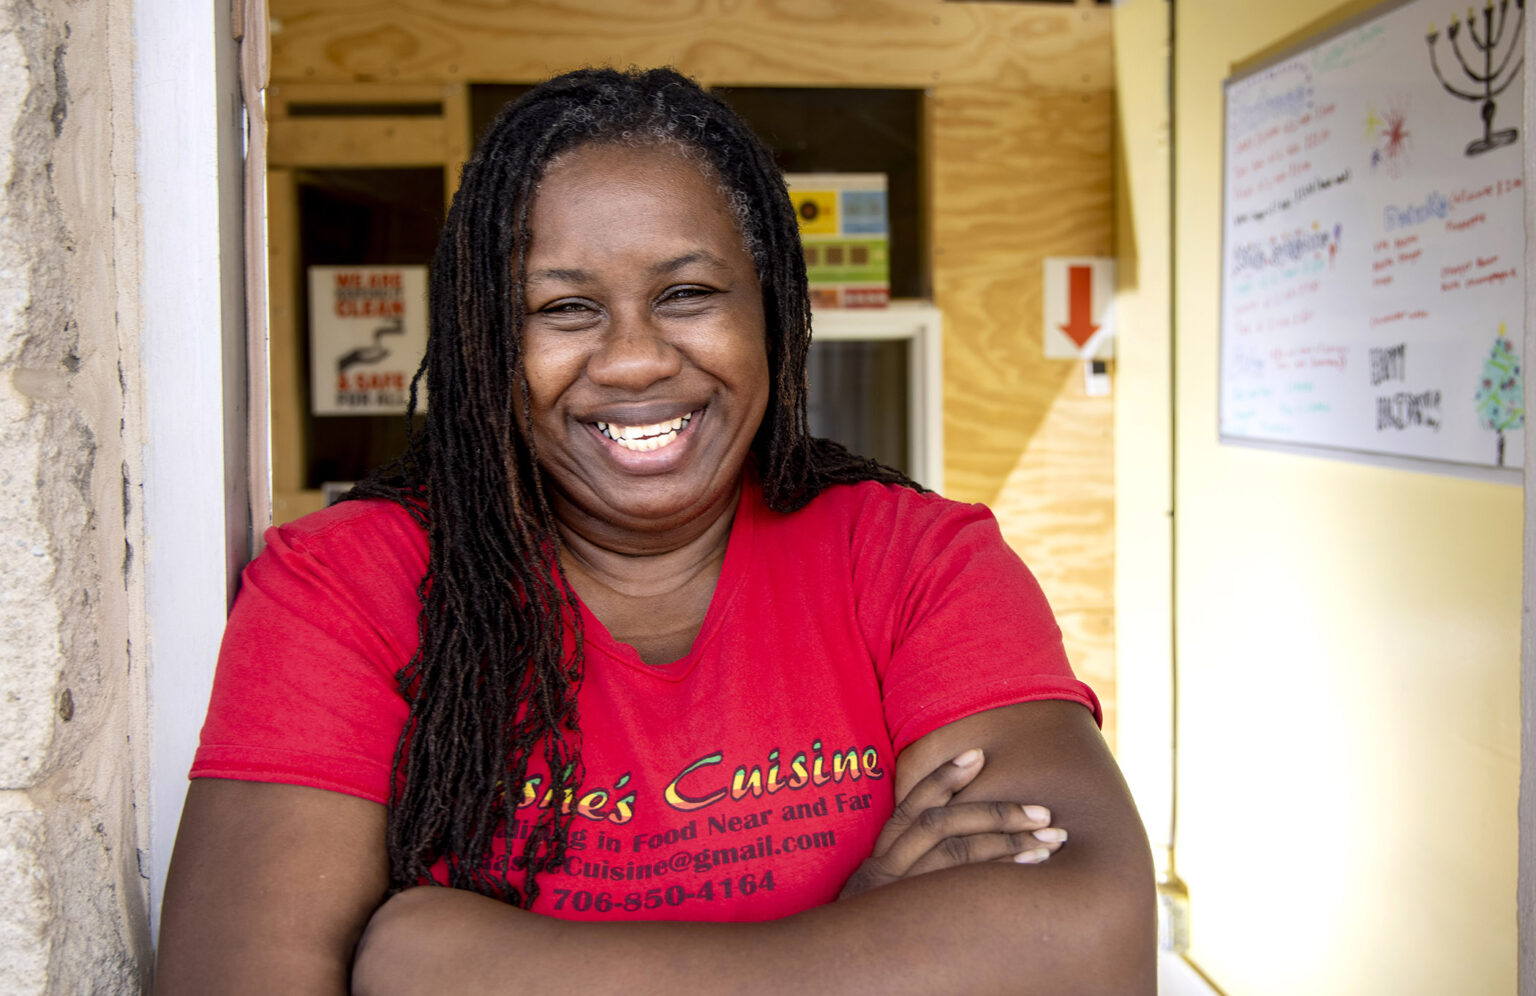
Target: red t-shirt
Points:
(745, 781)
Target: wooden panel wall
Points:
(1020, 432)
(1020, 169)
(1057, 509)
(909, 43)
(1017, 176)
(441, 139)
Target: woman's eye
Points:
(565, 308)
(679, 295)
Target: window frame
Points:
(921, 324)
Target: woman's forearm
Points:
(1064, 927)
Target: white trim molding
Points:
(195, 507)
(922, 324)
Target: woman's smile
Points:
(646, 438)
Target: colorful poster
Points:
(1374, 240)
(845, 229)
(367, 335)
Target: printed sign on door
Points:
(1079, 299)
(368, 333)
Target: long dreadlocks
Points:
(493, 684)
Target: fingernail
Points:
(1034, 857)
(969, 758)
(1051, 835)
(1038, 813)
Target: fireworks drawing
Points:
(1391, 141)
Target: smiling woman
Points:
(617, 640)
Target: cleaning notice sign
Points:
(367, 335)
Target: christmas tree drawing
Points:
(1501, 394)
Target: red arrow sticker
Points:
(1080, 327)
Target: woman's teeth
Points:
(644, 438)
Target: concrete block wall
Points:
(73, 898)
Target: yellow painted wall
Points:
(1347, 641)
(1019, 168)
(1143, 469)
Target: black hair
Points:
(493, 683)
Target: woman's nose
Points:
(634, 354)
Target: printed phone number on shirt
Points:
(582, 900)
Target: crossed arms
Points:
(277, 888)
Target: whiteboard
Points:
(1374, 243)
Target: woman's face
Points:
(644, 342)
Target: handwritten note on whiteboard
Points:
(1374, 240)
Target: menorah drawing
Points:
(1493, 81)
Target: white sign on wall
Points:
(1079, 307)
(367, 335)
(1373, 281)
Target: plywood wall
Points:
(1019, 130)
(909, 43)
(1020, 432)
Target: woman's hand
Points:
(928, 832)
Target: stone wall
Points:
(73, 899)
